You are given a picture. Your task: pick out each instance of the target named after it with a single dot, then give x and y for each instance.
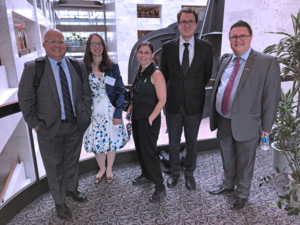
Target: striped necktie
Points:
(228, 89)
(66, 94)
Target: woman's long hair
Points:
(142, 43)
(88, 57)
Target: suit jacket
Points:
(41, 107)
(256, 99)
(115, 93)
(190, 88)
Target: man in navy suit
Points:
(186, 63)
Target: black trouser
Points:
(145, 140)
(191, 126)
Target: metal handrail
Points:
(9, 178)
(26, 51)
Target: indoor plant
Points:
(286, 130)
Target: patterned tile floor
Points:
(122, 203)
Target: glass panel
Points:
(39, 4)
(17, 144)
(79, 18)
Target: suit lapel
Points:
(221, 69)
(197, 51)
(247, 69)
(176, 55)
(50, 76)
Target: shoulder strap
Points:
(39, 70)
(76, 66)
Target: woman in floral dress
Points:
(106, 133)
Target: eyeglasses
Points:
(242, 37)
(52, 42)
(184, 22)
(145, 53)
(95, 44)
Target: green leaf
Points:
(269, 178)
(277, 169)
(279, 205)
(282, 197)
(273, 204)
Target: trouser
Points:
(191, 126)
(61, 160)
(145, 140)
(238, 159)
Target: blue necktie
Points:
(66, 94)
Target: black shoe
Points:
(63, 211)
(238, 203)
(219, 190)
(76, 195)
(158, 196)
(172, 180)
(190, 183)
(140, 180)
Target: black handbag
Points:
(127, 100)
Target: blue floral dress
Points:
(102, 136)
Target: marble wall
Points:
(127, 24)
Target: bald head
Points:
(52, 32)
(54, 44)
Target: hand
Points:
(36, 129)
(150, 121)
(265, 134)
(116, 121)
(128, 112)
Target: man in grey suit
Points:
(59, 110)
(244, 102)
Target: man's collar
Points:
(54, 62)
(244, 56)
(192, 41)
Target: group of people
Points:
(77, 100)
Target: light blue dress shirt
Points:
(55, 69)
(225, 78)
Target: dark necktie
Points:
(228, 89)
(66, 94)
(185, 59)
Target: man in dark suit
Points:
(244, 101)
(59, 110)
(186, 63)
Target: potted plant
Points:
(286, 130)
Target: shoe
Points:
(172, 180)
(158, 196)
(219, 190)
(76, 195)
(238, 203)
(190, 183)
(109, 180)
(97, 180)
(63, 211)
(140, 180)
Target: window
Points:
(148, 11)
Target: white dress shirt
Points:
(191, 49)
